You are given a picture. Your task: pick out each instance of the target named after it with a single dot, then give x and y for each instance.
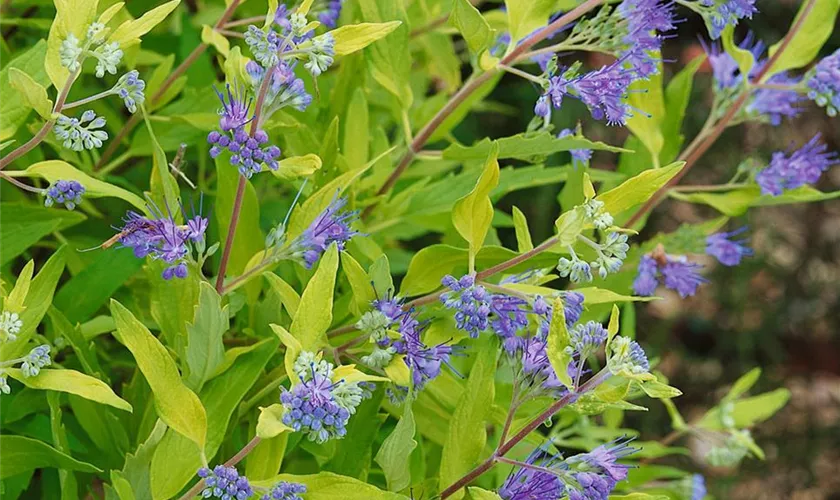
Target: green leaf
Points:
(736, 202)
(744, 58)
(477, 493)
(288, 296)
(329, 486)
(249, 238)
(205, 350)
(172, 303)
(16, 300)
(390, 63)
(677, 95)
(129, 32)
(359, 281)
(314, 314)
(34, 94)
(646, 95)
(71, 16)
(294, 167)
(176, 405)
(395, 453)
(658, 390)
(558, 340)
(523, 234)
(639, 496)
(270, 422)
(473, 213)
(467, 434)
(638, 189)
(72, 382)
(569, 225)
(357, 135)
(353, 453)
(24, 225)
(525, 16)
(215, 39)
(13, 109)
(354, 37)
(748, 411)
(524, 147)
(22, 454)
(85, 351)
(743, 384)
(54, 170)
(472, 26)
(809, 39)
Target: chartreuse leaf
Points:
(742, 385)
(395, 453)
(638, 189)
(37, 302)
(744, 58)
(22, 454)
(390, 63)
(658, 390)
(294, 167)
(34, 94)
(467, 434)
(54, 170)
(13, 109)
(558, 340)
(806, 43)
(72, 382)
(205, 350)
(293, 348)
(569, 225)
(176, 405)
(472, 26)
(477, 493)
(525, 16)
(646, 95)
(354, 37)
(314, 314)
(523, 234)
(360, 284)
(129, 32)
(17, 297)
(473, 213)
(525, 146)
(737, 201)
(329, 486)
(270, 423)
(748, 411)
(71, 16)
(357, 135)
(288, 296)
(215, 39)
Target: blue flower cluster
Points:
(728, 252)
(130, 89)
(722, 13)
(162, 238)
(803, 166)
(285, 490)
(328, 12)
(646, 20)
(470, 301)
(331, 226)
(67, 192)
(824, 84)
(586, 476)
(579, 156)
(318, 406)
(677, 273)
(225, 482)
(38, 358)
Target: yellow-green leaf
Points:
(216, 39)
(525, 16)
(809, 39)
(54, 170)
(129, 32)
(34, 94)
(14, 303)
(298, 166)
(360, 284)
(314, 313)
(558, 340)
(355, 37)
(638, 189)
(270, 422)
(71, 16)
(473, 213)
(647, 96)
(176, 405)
(744, 58)
(72, 382)
(398, 371)
(472, 25)
(523, 235)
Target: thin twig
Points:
(25, 187)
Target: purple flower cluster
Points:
(572, 309)
(645, 20)
(824, 84)
(67, 192)
(312, 408)
(224, 482)
(285, 88)
(471, 302)
(329, 13)
(599, 470)
(423, 361)
(527, 483)
(722, 13)
(728, 252)
(161, 238)
(603, 91)
(331, 226)
(247, 152)
(677, 273)
(285, 490)
(776, 104)
(509, 318)
(804, 166)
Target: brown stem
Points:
(234, 221)
(25, 187)
(180, 70)
(45, 129)
(692, 154)
(472, 85)
(248, 448)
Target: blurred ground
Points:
(778, 310)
